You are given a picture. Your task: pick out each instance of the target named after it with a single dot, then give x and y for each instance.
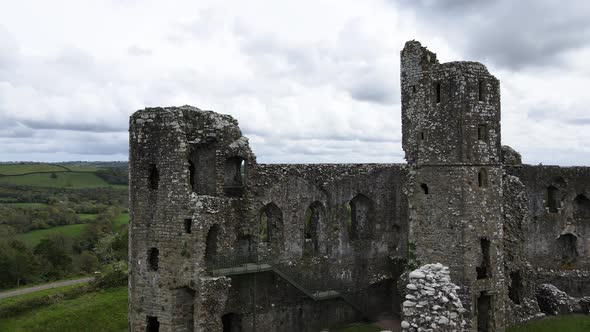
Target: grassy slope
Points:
(13, 169)
(32, 238)
(10, 301)
(565, 323)
(63, 180)
(98, 311)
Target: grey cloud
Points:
(75, 126)
(510, 34)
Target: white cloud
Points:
(309, 81)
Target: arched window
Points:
(567, 244)
(271, 225)
(553, 199)
(424, 187)
(211, 245)
(361, 217)
(482, 178)
(235, 168)
(311, 230)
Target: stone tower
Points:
(451, 139)
(187, 186)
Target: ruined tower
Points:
(451, 138)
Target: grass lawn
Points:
(122, 219)
(97, 311)
(14, 169)
(26, 205)
(63, 180)
(33, 237)
(564, 323)
(10, 301)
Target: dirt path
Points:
(44, 286)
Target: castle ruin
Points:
(219, 242)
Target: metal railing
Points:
(352, 292)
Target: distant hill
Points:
(70, 175)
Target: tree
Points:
(17, 263)
(54, 255)
(87, 262)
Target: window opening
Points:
(482, 178)
(424, 187)
(188, 225)
(154, 177)
(482, 132)
(484, 269)
(153, 257)
(152, 324)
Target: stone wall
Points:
(219, 242)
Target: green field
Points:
(97, 311)
(122, 219)
(32, 238)
(63, 180)
(15, 169)
(564, 323)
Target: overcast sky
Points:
(308, 80)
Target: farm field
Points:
(16, 169)
(62, 180)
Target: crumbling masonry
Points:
(219, 242)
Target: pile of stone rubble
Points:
(432, 303)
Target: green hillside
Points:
(15, 169)
(32, 238)
(96, 311)
(57, 180)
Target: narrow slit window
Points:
(153, 257)
(154, 177)
(482, 132)
(192, 169)
(437, 92)
(413, 89)
(422, 135)
(484, 269)
(480, 90)
(188, 225)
